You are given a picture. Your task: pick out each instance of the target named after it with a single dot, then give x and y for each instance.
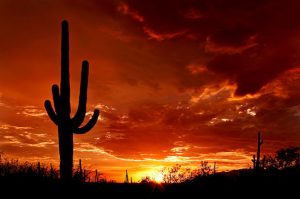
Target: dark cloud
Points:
(253, 42)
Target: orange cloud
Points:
(162, 36)
(124, 9)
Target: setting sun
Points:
(158, 177)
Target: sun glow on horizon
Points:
(158, 177)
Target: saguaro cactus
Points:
(60, 114)
(259, 143)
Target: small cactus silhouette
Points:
(96, 176)
(254, 161)
(60, 115)
(126, 178)
(214, 170)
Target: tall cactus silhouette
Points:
(259, 143)
(60, 114)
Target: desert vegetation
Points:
(279, 174)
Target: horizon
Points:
(176, 82)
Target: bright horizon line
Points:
(113, 173)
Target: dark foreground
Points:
(235, 184)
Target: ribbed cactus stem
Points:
(60, 115)
(65, 76)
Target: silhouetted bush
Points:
(283, 158)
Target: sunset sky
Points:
(176, 81)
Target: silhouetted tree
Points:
(60, 114)
(288, 157)
(270, 162)
(147, 180)
(178, 174)
(205, 169)
(283, 158)
(171, 175)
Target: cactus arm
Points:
(51, 112)
(261, 142)
(80, 114)
(55, 94)
(89, 125)
(65, 76)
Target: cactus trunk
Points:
(60, 115)
(65, 137)
(259, 143)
